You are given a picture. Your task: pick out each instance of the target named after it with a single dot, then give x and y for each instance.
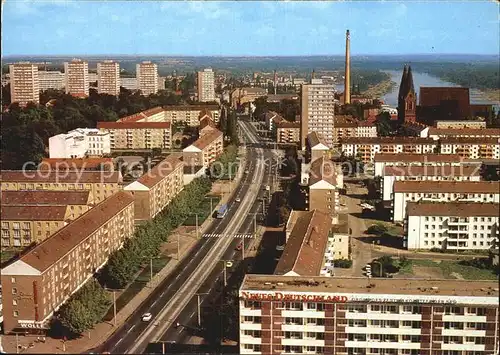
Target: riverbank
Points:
(379, 90)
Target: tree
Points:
(383, 123)
(377, 229)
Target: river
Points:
(423, 79)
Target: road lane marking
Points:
(177, 277)
(119, 341)
(192, 314)
(154, 302)
(132, 327)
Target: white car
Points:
(146, 317)
(238, 199)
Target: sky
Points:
(247, 28)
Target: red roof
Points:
(133, 125)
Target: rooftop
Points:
(85, 163)
(55, 176)
(314, 138)
(462, 187)
(455, 209)
(362, 285)
(470, 140)
(305, 249)
(161, 170)
(133, 125)
(322, 169)
(207, 139)
(432, 170)
(287, 124)
(388, 140)
(63, 241)
(45, 197)
(480, 132)
(33, 213)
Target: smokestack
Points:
(275, 81)
(347, 80)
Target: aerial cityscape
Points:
(274, 177)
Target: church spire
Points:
(409, 84)
(402, 85)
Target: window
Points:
(14, 302)
(14, 291)
(16, 313)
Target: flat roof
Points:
(453, 209)
(276, 283)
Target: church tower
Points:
(407, 98)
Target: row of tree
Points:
(88, 306)
(123, 264)
(223, 166)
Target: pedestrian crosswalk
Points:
(236, 236)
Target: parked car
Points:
(146, 317)
(238, 199)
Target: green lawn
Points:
(7, 254)
(448, 267)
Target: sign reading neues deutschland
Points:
(327, 298)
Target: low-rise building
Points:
(460, 124)
(382, 160)
(322, 191)
(245, 95)
(452, 225)
(288, 132)
(183, 114)
(272, 120)
(366, 148)
(101, 184)
(348, 126)
(471, 147)
(316, 147)
(206, 126)
(426, 172)
(339, 242)
(438, 133)
(138, 135)
(37, 284)
(354, 315)
(104, 164)
(304, 253)
(205, 149)
(442, 191)
(80, 143)
(155, 189)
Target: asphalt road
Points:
(125, 336)
(213, 285)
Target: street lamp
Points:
(199, 306)
(114, 302)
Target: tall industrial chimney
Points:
(275, 81)
(347, 80)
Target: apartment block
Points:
(154, 190)
(147, 78)
(272, 120)
(23, 225)
(76, 78)
(246, 95)
(138, 135)
(460, 124)
(348, 126)
(205, 149)
(349, 315)
(456, 226)
(316, 147)
(95, 164)
(288, 132)
(437, 133)
(50, 80)
(184, 114)
(426, 173)
(24, 84)
(206, 85)
(317, 111)
(108, 78)
(129, 83)
(366, 148)
(382, 160)
(471, 147)
(80, 143)
(442, 191)
(206, 125)
(322, 191)
(40, 281)
(101, 184)
(339, 244)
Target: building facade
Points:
(80, 143)
(205, 150)
(403, 159)
(322, 191)
(50, 80)
(455, 226)
(108, 78)
(442, 191)
(316, 147)
(471, 147)
(288, 132)
(366, 148)
(206, 85)
(147, 78)
(347, 127)
(138, 135)
(460, 124)
(101, 184)
(76, 78)
(24, 84)
(154, 190)
(426, 173)
(37, 284)
(317, 111)
(183, 114)
(347, 316)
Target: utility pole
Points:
(199, 307)
(151, 269)
(197, 232)
(178, 247)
